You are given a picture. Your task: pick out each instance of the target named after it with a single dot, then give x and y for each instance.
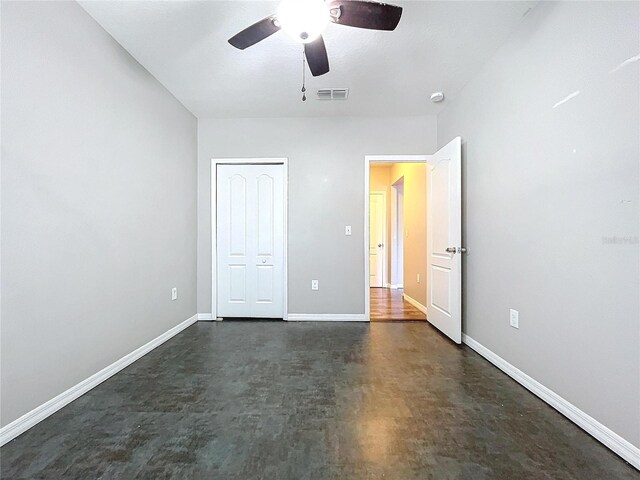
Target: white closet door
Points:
(250, 241)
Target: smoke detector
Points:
(333, 93)
(437, 97)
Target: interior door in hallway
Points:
(377, 234)
(444, 248)
(250, 241)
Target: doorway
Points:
(397, 234)
(442, 279)
(249, 230)
(397, 287)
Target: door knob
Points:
(264, 261)
(451, 249)
(379, 245)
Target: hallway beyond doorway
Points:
(388, 305)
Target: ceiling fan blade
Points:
(317, 59)
(255, 33)
(362, 14)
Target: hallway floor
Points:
(277, 400)
(387, 304)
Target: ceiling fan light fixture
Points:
(304, 20)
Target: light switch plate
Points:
(174, 293)
(513, 318)
(347, 230)
(314, 284)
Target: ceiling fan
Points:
(305, 20)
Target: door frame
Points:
(368, 160)
(385, 258)
(284, 161)
(396, 236)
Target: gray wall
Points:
(545, 191)
(98, 203)
(326, 192)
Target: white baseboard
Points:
(29, 419)
(326, 317)
(393, 287)
(415, 303)
(205, 317)
(607, 437)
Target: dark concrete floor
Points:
(297, 401)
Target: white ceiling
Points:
(437, 46)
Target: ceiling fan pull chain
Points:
(304, 89)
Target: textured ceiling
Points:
(437, 46)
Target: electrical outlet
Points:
(314, 284)
(347, 230)
(418, 278)
(513, 318)
(174, 293)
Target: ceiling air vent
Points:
(333, 93)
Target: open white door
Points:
(444, 248)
